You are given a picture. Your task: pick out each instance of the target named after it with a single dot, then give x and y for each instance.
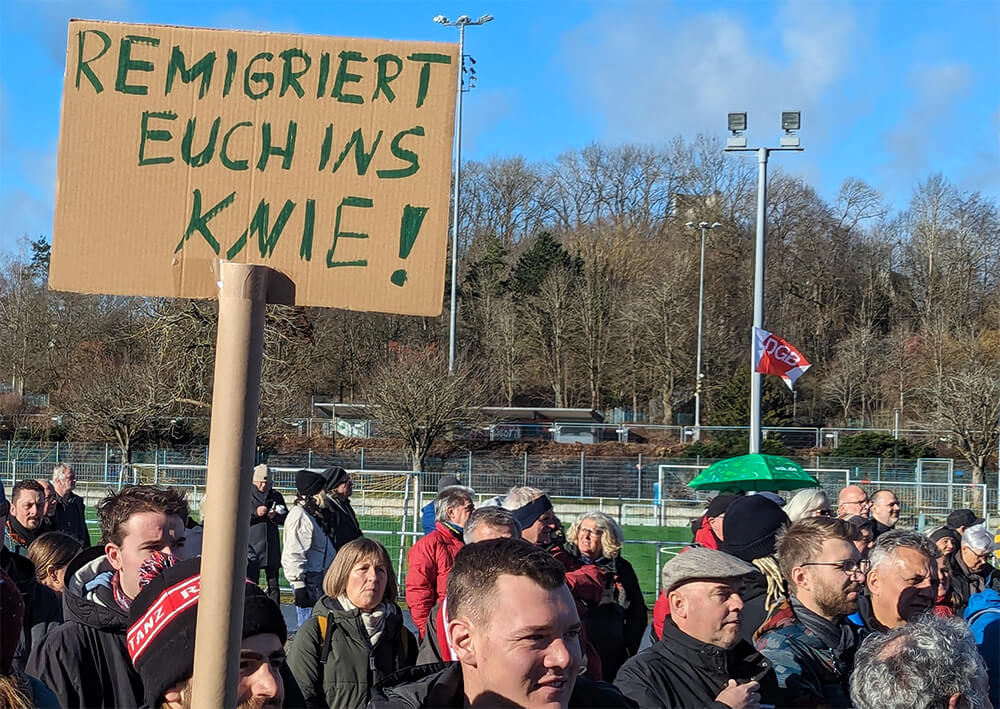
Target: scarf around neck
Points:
(374, 621)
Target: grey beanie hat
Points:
(702, 564)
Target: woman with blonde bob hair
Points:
(615, 627)
(811, 502)
(355, 635)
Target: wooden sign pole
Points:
(235, 401)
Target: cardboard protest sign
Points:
(326, 159)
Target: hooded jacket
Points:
(428, 564)
(810, 672)
(264, 536)
(85, 660)
(682, 672)
(42, 607)
(983, 615)
(339, 667)
(441, 686)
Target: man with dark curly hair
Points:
(85, 661)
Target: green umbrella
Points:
(753, 472)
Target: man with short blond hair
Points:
(808, 637)
(516, 637)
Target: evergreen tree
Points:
(537, 263)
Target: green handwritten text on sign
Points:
(327, 159)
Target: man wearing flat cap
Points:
(701, 661)
(320, 522)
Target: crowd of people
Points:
(817, 601)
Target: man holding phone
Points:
(700, 661)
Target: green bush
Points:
(880, 445)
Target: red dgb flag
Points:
(773, 355)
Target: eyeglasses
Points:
(866, 501)
(591, 532)
(848, 566)
(985, 556)
(825, 513)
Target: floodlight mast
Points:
(461, 23)
(790, 122)
(703, 226)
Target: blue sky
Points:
(890, 91)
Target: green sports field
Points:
(640, 545)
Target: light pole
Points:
(701, 308)
(461, 23)
(790, 122)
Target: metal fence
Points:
(636, 490)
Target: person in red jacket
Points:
(431, 558)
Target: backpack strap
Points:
(324, 623)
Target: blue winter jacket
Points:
(983, 615)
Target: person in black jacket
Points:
(701, 661)
(267, 512)
(515, 631)
(85, 660)
(42, 607)
(70, 516)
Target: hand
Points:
(271, 514)
(261, 511)
(740, 696)
(302, 598)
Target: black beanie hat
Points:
(719, 505)
(309, 483)
(162, 626)
(750, 526)
(942, 532)
(333, 477)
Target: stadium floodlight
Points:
(791, 120)
(461, 23)
(737, 123)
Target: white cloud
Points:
(654, 75)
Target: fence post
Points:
(581, 473)
(156, 465)
(106, 453)
(13, 473)
(524, 479)
(878, 469)
(469, 483)
(362, 458)
(309, 463)
(639, 483)
(57, 452)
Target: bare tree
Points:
(967, 405)
(415, 400)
